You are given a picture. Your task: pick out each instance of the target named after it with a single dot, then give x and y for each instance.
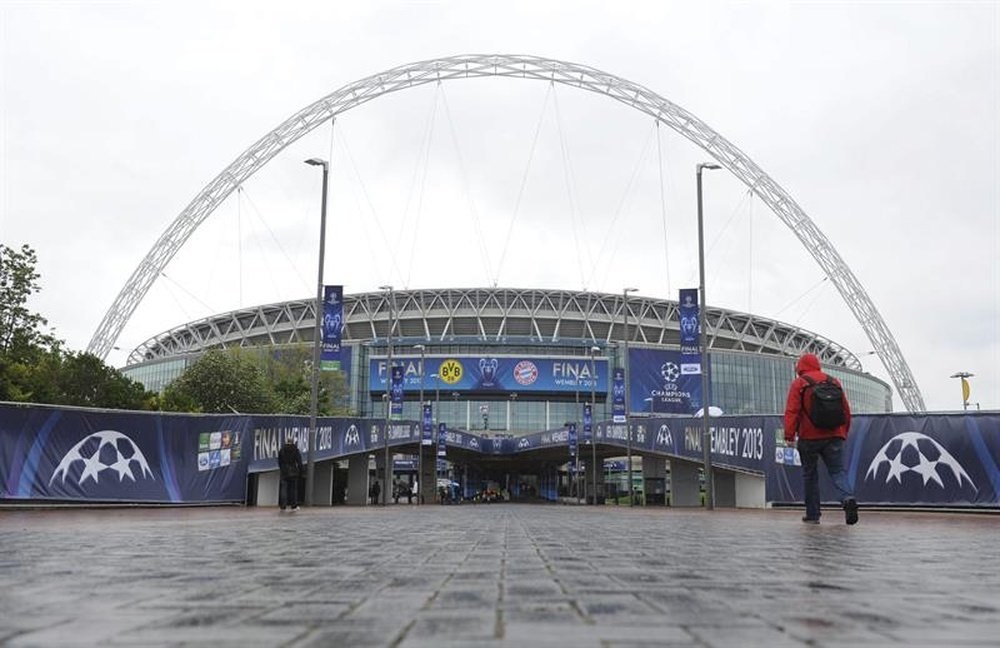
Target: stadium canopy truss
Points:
(501, 315)
(520, 67)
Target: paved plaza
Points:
(496, 575)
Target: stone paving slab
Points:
(495, 575)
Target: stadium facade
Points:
(514, 361)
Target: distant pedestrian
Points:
(818, 414)
(374, 492)
(397, 490)
(290, 467)
(411, 490)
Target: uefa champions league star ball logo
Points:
(670, 372)
(689, 326)
(917, 453)
(104, 450)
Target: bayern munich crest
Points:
(525, 372)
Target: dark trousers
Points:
(288, 493)
(832, 452)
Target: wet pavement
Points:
(496, 575)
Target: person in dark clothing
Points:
(290, 466)
(820, 424)
(374, 492)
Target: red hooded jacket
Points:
(796, 418)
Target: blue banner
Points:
(494, 374)
(618, 397)
(48, 453)
(442, 450)
(333, 324)
(657, 384)
(588, 423)
(427, 426)
(688, 310)
(571, 438)
(934, 460)
(84, 455)
(396, 393)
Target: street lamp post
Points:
(420, 442)
(434, 428)
(706, 442)
(388, 402)
(317, 338)
(963, 376)
(593, 418)
(628, 429)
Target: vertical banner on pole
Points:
(396, 393)
(427, 438)
(571, 438)
(588, 424)
(618, 397)
(688, 316)
(333, 320)
(442, 450)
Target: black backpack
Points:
(827, 412)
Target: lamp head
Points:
(317, 162)
(708, 165)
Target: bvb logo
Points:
(450, 371)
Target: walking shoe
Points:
(295, 508)
(809, 520)
(851, 510)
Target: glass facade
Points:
(157, 374)
(742, 383)
(749, 383)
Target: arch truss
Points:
(522, 67)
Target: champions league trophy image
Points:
(488, 371)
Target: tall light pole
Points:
(388, 402)
(594, 350)
(628, 430)
(434, 428)
(706, 442)
(963, 375)
(420, 443)
(317, 338)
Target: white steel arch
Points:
(525, 67)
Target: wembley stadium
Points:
(516, 361)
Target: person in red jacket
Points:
(820, 420)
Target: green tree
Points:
(220, 382)
(20, 329)
(289, 376)
(83, 379)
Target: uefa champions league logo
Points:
(911, 452)
(689, 326)
(670, 372)
(104, 450)
(331, 324)
(474, 443)
(523, 443)
(663, 436)
(618, 391)
(352, 437)
(488, 368)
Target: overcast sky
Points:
(880, 119)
